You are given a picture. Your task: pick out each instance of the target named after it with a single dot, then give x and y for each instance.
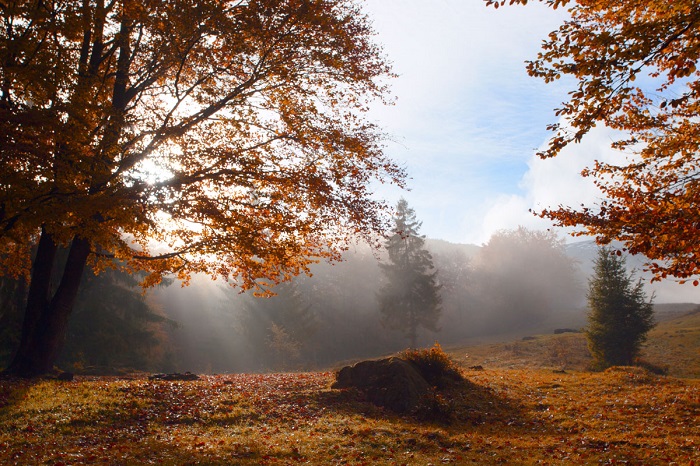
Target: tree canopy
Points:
(224, 137)
(521, 277)
(228, 133)
(635, 67)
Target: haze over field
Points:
(502, 291)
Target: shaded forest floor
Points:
(521, 409)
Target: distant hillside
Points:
(670, 311)
(672, 345)
(442, 247)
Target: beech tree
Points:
(224, 137)
(112, 323)
(635, 65)
(620, 316)
(410, 297)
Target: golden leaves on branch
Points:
(221, 138)
(635, 68)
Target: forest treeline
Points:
(518, 281)
(515, 282)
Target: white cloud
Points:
(459, 64)
(553, 182)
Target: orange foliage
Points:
(635, 64)
(222, 137)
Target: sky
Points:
(468, 119)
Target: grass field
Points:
(524, 414)
(673, 345)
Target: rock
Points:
(476, 368)
(392, 383)
(559, 331)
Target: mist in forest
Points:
(520, 282)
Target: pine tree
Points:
(619, 316)
(114, 326)
(410, 296)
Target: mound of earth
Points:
(392, 383)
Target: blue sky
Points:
(468, 118)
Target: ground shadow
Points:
(462, 404)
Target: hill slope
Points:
(674, 344)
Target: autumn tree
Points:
(224, 137)
(410, 297)
(620, 315)
(634, 63)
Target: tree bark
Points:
(46, 317)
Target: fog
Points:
(521, 282)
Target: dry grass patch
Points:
(673, 345)
(499, 416)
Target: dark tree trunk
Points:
(46, 316)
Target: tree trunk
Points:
(46, 316)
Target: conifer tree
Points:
(113, 324)
(410, 296)
(619, 316)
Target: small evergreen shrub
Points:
(436, 366)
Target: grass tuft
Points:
(436, 366)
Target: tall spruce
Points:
(410, 297)
(620, 315)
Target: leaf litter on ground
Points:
(623, 415)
